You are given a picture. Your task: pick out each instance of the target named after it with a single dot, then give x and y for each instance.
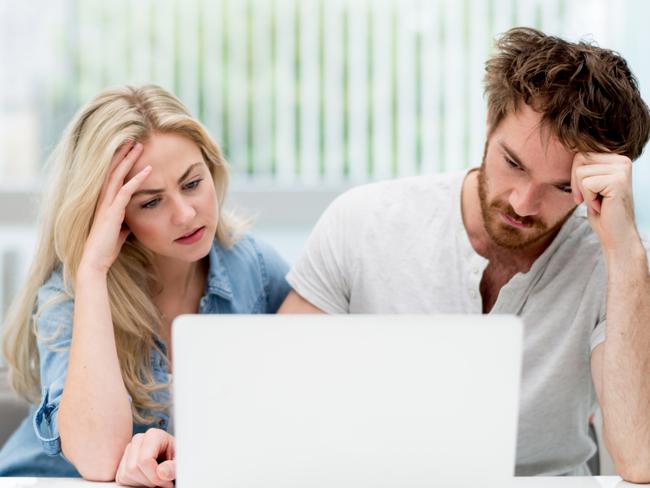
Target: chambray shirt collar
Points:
(218, 282)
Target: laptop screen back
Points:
(345, 400)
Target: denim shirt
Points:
(248, 278)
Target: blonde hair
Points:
(80, 163)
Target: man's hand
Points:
(604, 182)
(149, 460)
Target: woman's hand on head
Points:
(148, 460)
(108, 232)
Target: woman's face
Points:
(175, 211)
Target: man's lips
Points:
(514, 222)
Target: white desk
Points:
(533, 482)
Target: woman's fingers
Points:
(125, 475)
(156, 445)
(125, 193)
(121, 152)
(139, 465)
(116, 180)
(167, 470)
(119, 155)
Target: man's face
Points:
(524, 182)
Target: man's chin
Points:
(514, 239)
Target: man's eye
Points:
(512, 163)
(193, 184)
(151, 203)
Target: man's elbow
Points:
(633, 465)
(634, 472)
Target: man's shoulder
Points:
(413, 192)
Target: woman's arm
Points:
(95, 419)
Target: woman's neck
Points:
(180, 278)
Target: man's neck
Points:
(517, 260)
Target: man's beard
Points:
(504, 235)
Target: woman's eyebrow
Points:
(188, 171)
(155, 191)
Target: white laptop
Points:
(345, 401)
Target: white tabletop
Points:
(532, 482)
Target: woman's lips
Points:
(192, 237)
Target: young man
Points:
(564, 123)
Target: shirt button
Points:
(472, 293)
(475, 270)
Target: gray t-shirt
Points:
(401, 247)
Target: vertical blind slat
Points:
(333, 90)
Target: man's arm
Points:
(294, 303)
(621, 365)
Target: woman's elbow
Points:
(99, 472)
(96, 463)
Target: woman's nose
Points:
(183, 212)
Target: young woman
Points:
(133, 234)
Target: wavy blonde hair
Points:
(80, 164)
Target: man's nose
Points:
(526, 199)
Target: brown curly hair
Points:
(587, 95)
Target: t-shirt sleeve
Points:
(323, 273)
(53, 324)
(598, 335)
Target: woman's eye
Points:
(193, 184)
(151, 203)
(565, 189)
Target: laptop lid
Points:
(345, 400)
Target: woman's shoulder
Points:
(248, 251)
(54, 285)
(252, 270)
(249, 257)
(53, 296)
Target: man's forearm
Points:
(625, 400)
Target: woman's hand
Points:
(108, 231)
(148, 460)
